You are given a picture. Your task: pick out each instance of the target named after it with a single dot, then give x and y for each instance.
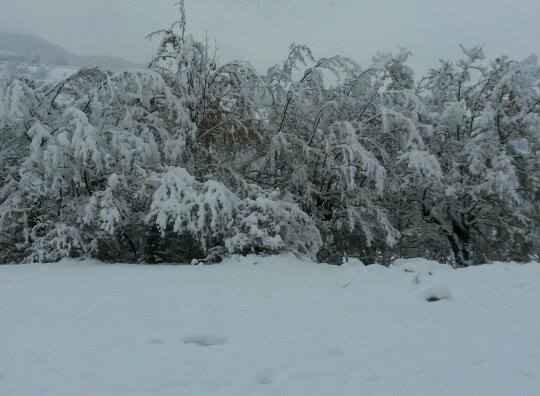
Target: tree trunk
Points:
(459, 240)
(461, 252)
(151, 245)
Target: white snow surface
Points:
(268, 326)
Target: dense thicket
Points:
(191, 158)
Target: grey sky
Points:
(261, 30)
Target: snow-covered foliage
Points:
(466, 162)
(191, 158)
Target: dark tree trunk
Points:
(459, 241)
(461, 252)
(151, 245)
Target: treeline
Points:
(191, 158)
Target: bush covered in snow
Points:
(195, 159)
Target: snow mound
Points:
(420, 266)
(353, 262)
(436, 293)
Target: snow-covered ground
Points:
(269, 326)
(51, 74)
(60, 73)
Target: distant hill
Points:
(28, 49)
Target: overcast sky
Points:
(261, 30)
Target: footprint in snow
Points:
(264, 376)
(334, 352)
(205, 340)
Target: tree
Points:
(191, 158)
(469, 162)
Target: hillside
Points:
(25, 48)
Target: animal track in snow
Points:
(205, 340)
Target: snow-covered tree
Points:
(112, 160)
(322, 149)
(191, 158)
(467, 157)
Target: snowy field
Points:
(269, 326)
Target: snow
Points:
(268, 326)
(59, 73)
(52, 74)
(436, 292)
